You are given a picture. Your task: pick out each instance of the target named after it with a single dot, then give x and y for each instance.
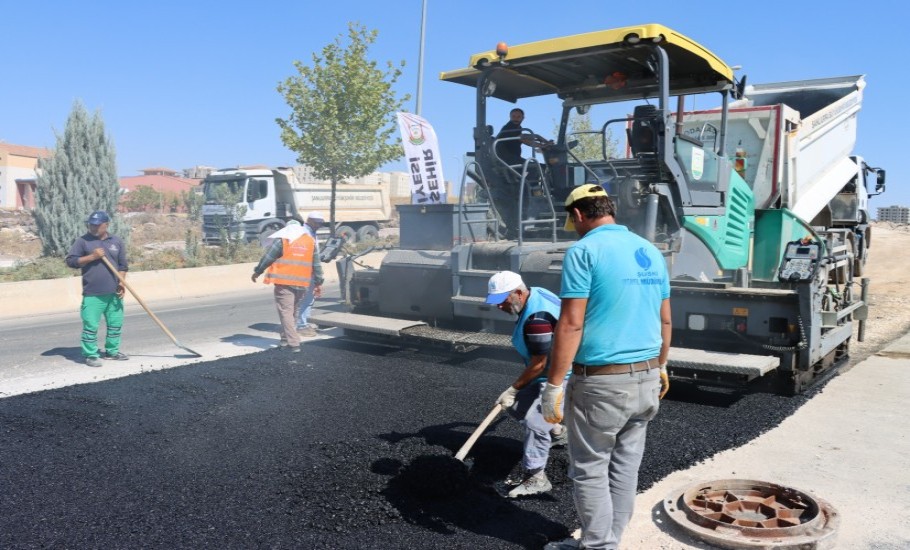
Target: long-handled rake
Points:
(146, 308)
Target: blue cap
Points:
(98, 217)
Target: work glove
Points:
(551, 403)
(507, 398)
(664, 381)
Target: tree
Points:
(343, 111)
(78, 178)
(142, 199)
(590, 142)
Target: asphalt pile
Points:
(342, 446)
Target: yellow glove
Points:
(551, 403)
(664, 381)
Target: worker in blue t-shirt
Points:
(538, 311)
(614, 336)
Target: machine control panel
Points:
(800, 261)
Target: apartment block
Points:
(895, 214)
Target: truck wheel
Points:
(367, 233)
(347, 232)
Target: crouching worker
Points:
(538, 310)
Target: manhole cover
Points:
(743, 513)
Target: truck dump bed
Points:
(353, 203)
(797, 138)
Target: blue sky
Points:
(186, 83)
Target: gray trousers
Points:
(537, 430)
(607, 417)
(287, 301)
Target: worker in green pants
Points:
(109, 306)
(102, 291)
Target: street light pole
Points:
(423, 30)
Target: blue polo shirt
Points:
(625, 279)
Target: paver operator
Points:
(614, 336)
(538, 311)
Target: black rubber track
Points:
(343, 446)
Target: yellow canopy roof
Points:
(607, 65)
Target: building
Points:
(159, 182)
(159, 172)
(373, 178)
(400, 183)
(164, 181)
(894, 214)
(304, 174)
(18, 174)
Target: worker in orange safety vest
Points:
(291, 265)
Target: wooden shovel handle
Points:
(138, 299)
(463, 451)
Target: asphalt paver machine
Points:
(756, 201)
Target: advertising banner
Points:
(421, 149)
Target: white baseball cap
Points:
(501, 284)
(315, 216)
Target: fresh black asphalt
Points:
(342, 446)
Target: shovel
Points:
(463, 451)
(145, 307)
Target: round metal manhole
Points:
(744, 513)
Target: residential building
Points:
(161, 171)
(400, 183)
(18, 174)
(895, 214)
(198, 172)
(159, 182)
(305, 174)
(166, 182)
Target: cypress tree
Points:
(78, 178)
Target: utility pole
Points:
(423, 30)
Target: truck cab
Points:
(244, 203)
(254, 203)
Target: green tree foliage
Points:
(77, 179)
(143, 198)
(343, 110)
(590, 141)
(192, 202)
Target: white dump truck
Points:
(793, 143)
(268, 199)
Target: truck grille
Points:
(216, 220)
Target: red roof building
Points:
(162, 184)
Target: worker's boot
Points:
(534, 484)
